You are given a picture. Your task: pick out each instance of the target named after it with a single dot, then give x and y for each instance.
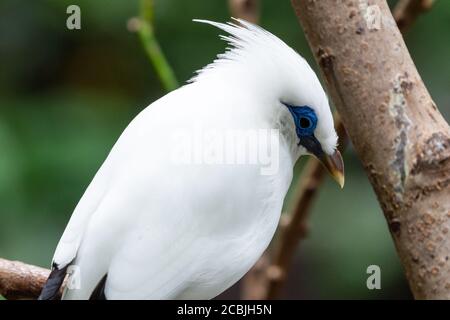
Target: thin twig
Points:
(269, 276)
(145, 29)
(407, 11)
(245, 9)
(309, 183)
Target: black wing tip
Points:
(99, 291)
(50, 291)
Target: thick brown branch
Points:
(21, 281)
(398, 133)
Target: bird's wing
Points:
(71, 238)
(70, 241)
(121, 189)
(92, 199)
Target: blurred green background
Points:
(65, 97)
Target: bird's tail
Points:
(99, 291)
(51, 289)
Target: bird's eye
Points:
(305, 123)
(305, 119)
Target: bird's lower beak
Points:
(334, 165)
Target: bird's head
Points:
(286, 87)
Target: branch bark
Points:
(21, 281)
(268, 276)
(398, 133)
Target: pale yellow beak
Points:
(335, 166)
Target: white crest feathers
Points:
(247, 42)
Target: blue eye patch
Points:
(305, 120)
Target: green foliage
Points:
(152, 48)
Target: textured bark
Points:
(398, 133)
(21, 281)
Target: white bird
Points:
(151, 227)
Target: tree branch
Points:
(398, 133)
(21, 281)
(269, 275)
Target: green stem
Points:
(152, 48)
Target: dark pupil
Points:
(305, 123)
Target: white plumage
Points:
(164, 230)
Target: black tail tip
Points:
(51, 288)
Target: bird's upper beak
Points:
(335, 166)
(333, 163)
